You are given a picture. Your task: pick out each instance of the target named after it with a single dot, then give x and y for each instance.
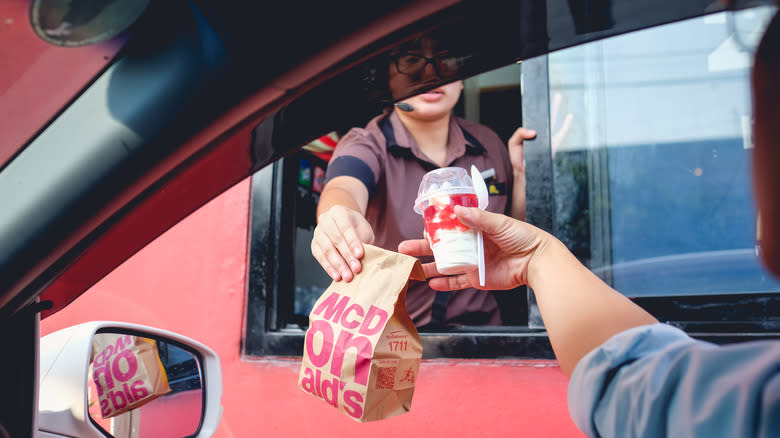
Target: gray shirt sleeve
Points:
(656, 381)
(357, 155)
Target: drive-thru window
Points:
(641, 166)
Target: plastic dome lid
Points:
(442, 182)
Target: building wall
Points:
(192, 280)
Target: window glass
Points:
(310, 279)
(651, 146)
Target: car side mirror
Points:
(80, 22)
(117, 379)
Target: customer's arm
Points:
(579, 310)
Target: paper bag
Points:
(126, 371)
(362, 352)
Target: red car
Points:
(207, 126)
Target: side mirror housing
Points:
(93, 383)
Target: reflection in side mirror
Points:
(138, 385)
(108, 378)
(73, 23)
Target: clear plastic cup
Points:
(454, 244)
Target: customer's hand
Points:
(510, 246)
(338, 240)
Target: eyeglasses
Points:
(412, 63)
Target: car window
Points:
(642, 168)
(649, 189)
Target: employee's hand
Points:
(338, 241)
(510, 245)
(517, 158)
(515, 145)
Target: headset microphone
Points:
(405, 107)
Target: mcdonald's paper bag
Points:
(362, 352)
(126, 372)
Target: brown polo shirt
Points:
(386, 158)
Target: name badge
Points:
(495, 188)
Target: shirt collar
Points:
(459, 143)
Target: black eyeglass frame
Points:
(436, 61)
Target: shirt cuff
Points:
(347, 165)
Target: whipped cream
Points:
(455, 251)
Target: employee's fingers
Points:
(332, 249)
(515, 145)
(364, 231)
(341, 231)
(351, 227)
(321, 257)
(520, 135)
(340, 256)
(415, 248)
(349, 247)
(356, 231)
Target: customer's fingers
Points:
(415, 248)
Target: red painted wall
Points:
(192, 280)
